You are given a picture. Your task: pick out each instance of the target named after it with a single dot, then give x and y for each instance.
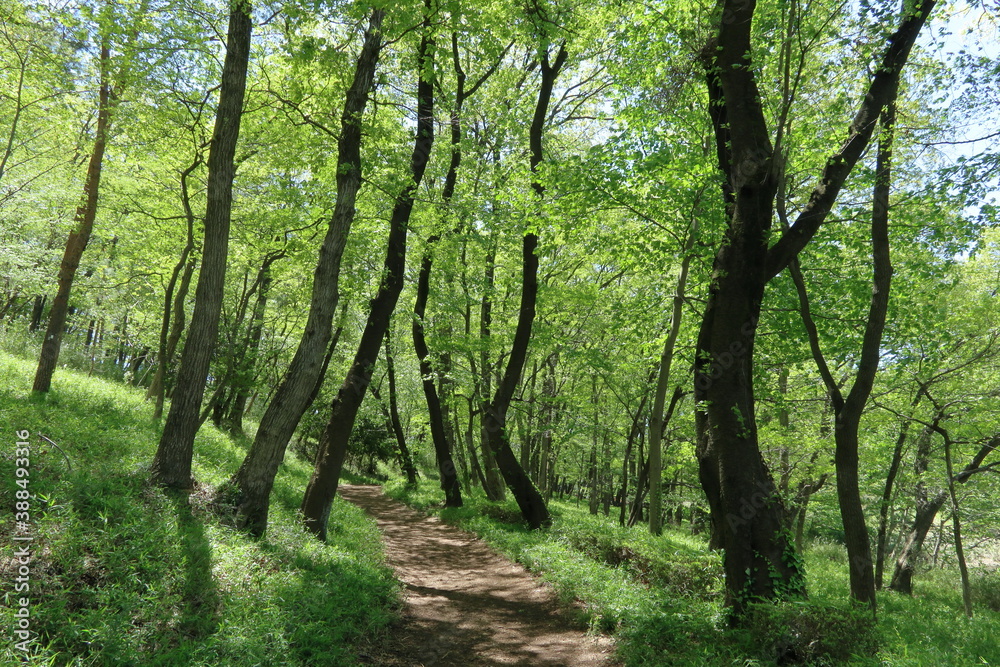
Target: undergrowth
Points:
(126, 574)
(661, 596)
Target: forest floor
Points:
(466, 606)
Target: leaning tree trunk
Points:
(529, 500)
(77, 241)
(927, 508)
(333, 441)
(253, 481)
(172, 463)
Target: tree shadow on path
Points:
(466, 606)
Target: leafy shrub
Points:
(692, 575)
(986, 589)
(809, 633)
(500, 511)
(829, 551)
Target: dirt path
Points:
(465, 605)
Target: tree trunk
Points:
(173, 303)
(406, 460)
(529, 500)
(255, 478)
(886, 504)
(172, 463)
(957, 525)
(478, 478)
(660, 395)
(627, 460)
(747, 515)
(333, 441)
(441, 432)
(592, 474)
(247, 361)
(927, 509)
(442, 444)
(548, 419)
(136, 363)
(902, 578)
(37, 310)
(493, 486)
(641, 488)
(848, 410)
(77, 241)
(174, 339)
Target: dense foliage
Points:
(730, 267)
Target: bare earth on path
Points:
(466, 606)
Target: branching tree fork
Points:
(747, 514)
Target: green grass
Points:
(661, 596)
(125, 574)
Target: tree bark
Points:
(405, 458)
(78, 239)
(660, 395)
(493, 484)
(173, 304)
(333, 441)
(529, 500)
(255, 478)
(172, 463)
(747, 513)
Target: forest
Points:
(689, 308)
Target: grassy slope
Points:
(127, 575)
(661, 596)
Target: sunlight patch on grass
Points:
(127, 574)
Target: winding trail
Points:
(465, 606)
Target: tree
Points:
(252, 483)
(659, 395)
(334, 439)
(86, 214)
(529, 500)
(848, 410)
(172, 462)
(747, 514)
(443, 444)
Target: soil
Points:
(466, 606)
